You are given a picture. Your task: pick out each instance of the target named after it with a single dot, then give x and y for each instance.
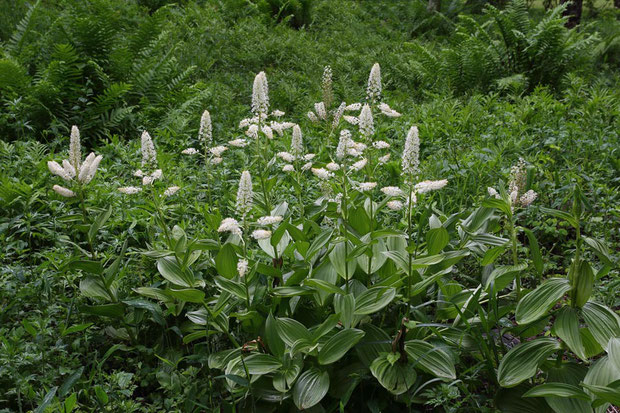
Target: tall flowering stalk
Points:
(245, 195)
(516, 198)
(373, 90)
(76, 173)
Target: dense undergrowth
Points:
(350, 280)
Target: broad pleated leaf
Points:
(522, 361)
(396, 378)
(432, 358)
(338, 345)
(310, 388)
(536, 303)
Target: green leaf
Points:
(104, 310)
(188, 294)
(170, 270)
(76, 328)
(69, 403)
(583, 284)
(338, 258)
(94, 288)
(373, 344)
(323, 285)
(613, 349)
(557, 390)
(338, 345)
(274, 342)
(292, 330)
(373, 300)
(325, 327)
(566, 327)
(310, 388)
(432, 358)
(535, 251)
(436, 240)
(233, 287)
(608, 394)
(345, 306)
(318, 243)
(521, 362)
(259, 363)
(492, 255)
(396, 378)
(535, 304)
(498, 204)
(600, 249)
(46, 400)
(98, 223)
(561, 215)
(602, 322)
(226, 261)
(502, 275)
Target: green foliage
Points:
(459, 302)
(502, 48)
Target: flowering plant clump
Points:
(298, 267)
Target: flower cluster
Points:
(74, 170)
(517, 195)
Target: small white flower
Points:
(288, 168)
(306, 166)
(75, 154)
(242, 268)
(332, 166)
(353, 106)
(149, 156)
(277, 127)
(427, 186)
(216, 161)
(312, 117)
(217, 151)
(338, 114)
(373, 91)
(171, 190)
(527, 198)
(366, 122)
(351, 119)
(245, 123)
(261, 234)
(205, 133)
(322, 173)
(61, 190)
(309, 156)
(230, 225)
(288, 125)
(244, 194)
(410, 163)
(285, 156)
(56, 169)
(388, 111)
(69, 169)
(129, 190)
(252, 131)
(493, 193)
(238, 143)
(297, 143)
(147, 180)
(395, 205)
(277, 113)
(267, 131)
(320, 110)
(269, 220)
(260, 94)
(343, 144)
(157, 174)
(367, 186)
(392, 191)
(85, 167)
(190, 151)
(92, 169)
(138, 173)
(359, 164)
(384, 159)
(381, 145)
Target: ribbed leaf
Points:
(338, 345)
(603, 323)
(522, 361)
(310, 388)
(431, 358)
(536, 303)
(566, 327)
